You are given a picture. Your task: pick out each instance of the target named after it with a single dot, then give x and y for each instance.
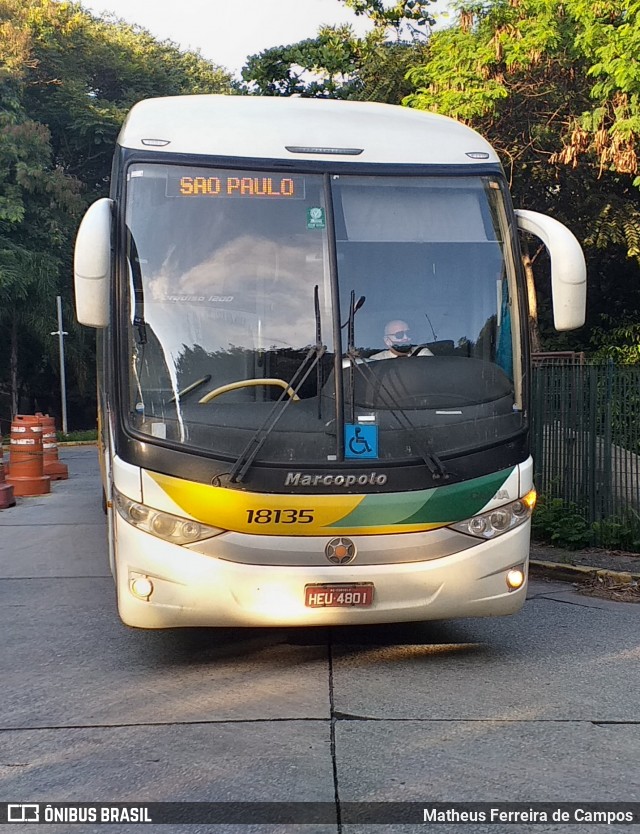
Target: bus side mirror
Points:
(568, 268)
(92, 265)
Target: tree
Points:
(510, 49)
(338, 64)
(324, 66)
(39, 204)
(67, 80)
(411, 16)
(608, 34)
(522, 73)
(88, 72)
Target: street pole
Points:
(60, 333)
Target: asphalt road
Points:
(539, 707)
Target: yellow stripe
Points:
(269, 514)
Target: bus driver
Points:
(397, 338)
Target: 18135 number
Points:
(281, 516)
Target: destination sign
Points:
(223, 185)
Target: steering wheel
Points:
(249, 383)
(415, 351)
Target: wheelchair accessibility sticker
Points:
(360, 441)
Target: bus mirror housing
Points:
(568, 268)
(92, 265)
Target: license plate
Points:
(339, 596)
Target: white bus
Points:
(313, 364)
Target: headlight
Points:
(496, 522)
(171, 528)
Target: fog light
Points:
(515, 579)
(141, 587)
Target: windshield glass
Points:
(223, 269)
(429, 258)
(231, 308)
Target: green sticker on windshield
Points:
(315, 218)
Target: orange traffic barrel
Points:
(7, 497)
(26, 458)
(53, 467)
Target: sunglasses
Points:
(399, 334)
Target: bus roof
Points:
(301, 128)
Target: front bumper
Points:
(193, 589)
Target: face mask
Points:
(403, 347)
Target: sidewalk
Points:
(613, 574)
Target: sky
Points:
(228, 31)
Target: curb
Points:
(77, 443)
(6, 446)
(557, 570)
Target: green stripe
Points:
(442, 505)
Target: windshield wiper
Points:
(138, 291)
(354, 306)
(258, 438)
(356, 363)
(428, 455)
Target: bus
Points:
(313, 364)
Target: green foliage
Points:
(609, 35)
(39, 208)
(561, 524)
(619, 533)
(330, 58)
(338, 64)
(540, 50)
(67, 80)
(81, 436)
(383, 69)
(554, 88)
(618, 342)
(86, 73)
(618, 224)
(456, 88)
(409, 14)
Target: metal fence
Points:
(586, 440)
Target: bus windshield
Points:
(238, 282)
